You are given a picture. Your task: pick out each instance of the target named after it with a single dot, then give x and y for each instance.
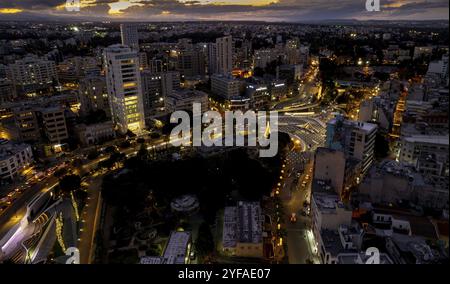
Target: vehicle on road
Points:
(293, 218)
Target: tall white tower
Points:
(123, 83)
(224, 46)
(130, 36)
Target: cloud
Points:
(270, 10)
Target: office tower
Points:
(212, 58)
(152, 94)
(356, 139)
(224, 47)
(191, 62)
(143, 61)
(293, 51)
(93, 95)
(130, 36)
(32, 74)
(156, 66)
(170, 81)
(123, 83)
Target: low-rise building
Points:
(177, 250)
(183, 100)
(405, 249)
(54, 124)
(225, 86)
(242, 230)
(13, 158)
(95, 133)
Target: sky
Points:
(258, 10)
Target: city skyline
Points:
(227, 10)
(215, 142)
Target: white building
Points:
(418, 147)
(183, 100)
(95, 133)
(225, 86)
(329, 215)
(439, 68)
(13, 157)
(123, 83)
(130, 36)
(356, 139)
(32, 73)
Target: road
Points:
(90, 218)
(15, 212)
(310, 128)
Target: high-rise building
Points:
(191, 62)
(170, 82)
(130, 36)
(292, 51)
(123, 83)
(356, 139)
(333, 168)
(224, 46)
(212, 58)
(143, 61)
(152, 94)
(32, 74)
(94, 95)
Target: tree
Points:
(93, 154)
(69, 183)
(61, 172)
(155, 135)
(143, 153)
(204, 244)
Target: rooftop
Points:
(242, 223)
(177, 246)
(328, 202)
(368, 127)
(8, 148)
(431, 139)
(361, 258)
